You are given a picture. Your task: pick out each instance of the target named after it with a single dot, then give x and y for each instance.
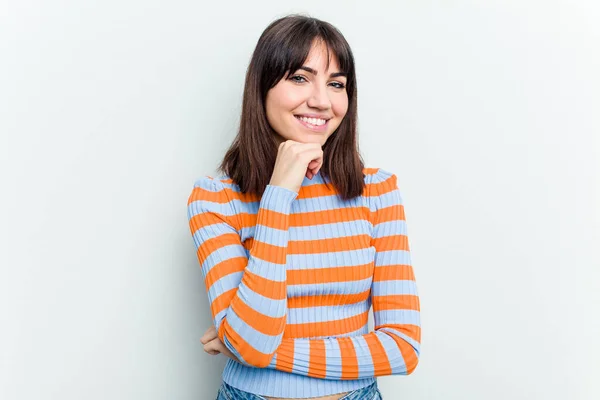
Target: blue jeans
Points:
(228, 392)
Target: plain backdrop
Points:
(488, 112)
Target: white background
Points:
(488, 112)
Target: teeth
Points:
(313, 121)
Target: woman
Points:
(297, 239)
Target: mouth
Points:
(313, 124)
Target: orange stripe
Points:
(284, 360)
(383, 187)
(396, 302)
(329, 275)
(249, 353)
(317, 359)
(386, 214)
(408, 353)
(268, 252)
(327, 328)
(222, 301)
(272, 326)
(381, 363)
(224, 268)
(199, 193)
(313, 218)
(327, 300)
(393, 272)
(266, 287)
(270, 219)
(394, 242)
(348, 355)
(213, 244)
(328, 245)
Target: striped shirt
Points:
(291, 278)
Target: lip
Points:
(314, 128)
(325, 117)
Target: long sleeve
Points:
(247, 291)
(394, 346)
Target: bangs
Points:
(290, 46)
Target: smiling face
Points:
(308, 106)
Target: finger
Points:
(317, 168)
(209, 335)
(211, 348)
(313, 164)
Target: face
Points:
(308, 106)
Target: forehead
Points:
(317, 58)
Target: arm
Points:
(247, 293)
(393, 348)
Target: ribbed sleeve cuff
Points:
(277, 198)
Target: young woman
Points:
(297, 238)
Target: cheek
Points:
(340, 106)
(285, 98)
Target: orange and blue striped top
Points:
(291, 278)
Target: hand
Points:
(294, 161)
(213, 345)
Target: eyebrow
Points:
(332, 75)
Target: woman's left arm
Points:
(394, 347)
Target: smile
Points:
(314, 124)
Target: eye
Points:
(300, 78)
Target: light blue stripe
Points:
(272, 236)
(325, 203)
(307, 315)
(404, 336)
(392, 257)
(334, 357)
(329, 288)
(330, 231)
(267, 270)
(264, 305)
(199, 206)
(395, 287)
(224, 284)
(221, 254)
(337, 259)
(218, 320)
(301, 358)
(388, 228)
(258, 266)
(385, 317)
(393, 353)
(390, 198)
(364, 357)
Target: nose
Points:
(319, 98)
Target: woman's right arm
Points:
(247, 294)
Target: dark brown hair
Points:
(281, 50)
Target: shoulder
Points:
(211, 189)
(212, 195)
(379, 178)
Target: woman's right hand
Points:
(295, 160)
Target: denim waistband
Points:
(228, 392)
